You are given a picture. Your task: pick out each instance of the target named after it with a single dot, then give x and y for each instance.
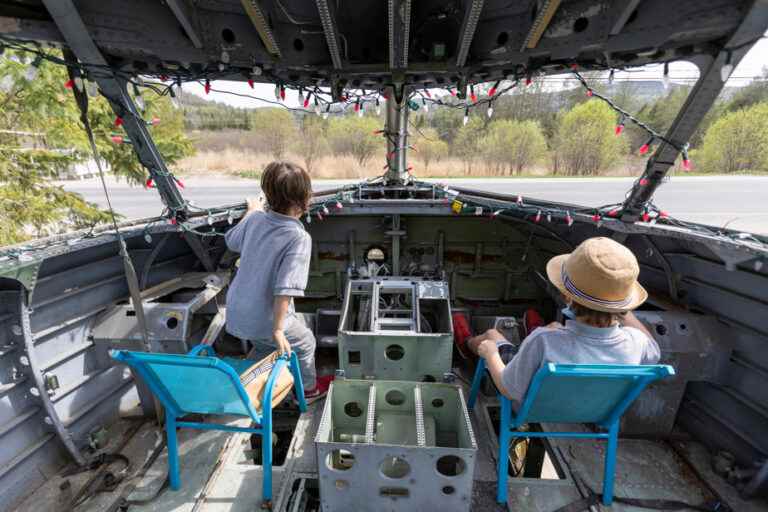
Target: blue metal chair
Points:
(572, 393)
(192, 383)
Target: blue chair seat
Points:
(572, 393)
(193, 383)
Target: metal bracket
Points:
(327, 10)
(399, 14)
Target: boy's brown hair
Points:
(594, 317)
(286, 186)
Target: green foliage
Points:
(585, 142)
(276, 127)
(466, 145)
(510, 146)
(43, 137)
(430, 148)
(737, 142)
(353, 135)
(311, 143)
(202, 114)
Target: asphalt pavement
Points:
(741, 202)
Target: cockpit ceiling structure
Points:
(371, 44)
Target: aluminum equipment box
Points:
(393, 446)
(396, 328)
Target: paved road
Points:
(740, 201)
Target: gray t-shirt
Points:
(274, 260)
(576, 343)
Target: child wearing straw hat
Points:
(599, 282)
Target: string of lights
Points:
(323, 103)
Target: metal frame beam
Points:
(467, 33)
(396, 130)
(75, 32)
(256, 14)
(399, 14)
(327, 10)
(699, 101)
(540, 24)
(185, 14)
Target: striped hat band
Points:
(574, 290)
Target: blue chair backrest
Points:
(190, 384)
(581, 393)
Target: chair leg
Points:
(476, 381)
(298, 385)
(505, 436)
(173, 451)
(266, 465)
(610, 463)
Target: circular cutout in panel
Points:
(340, 460)
(394, 397)
(395, 467)
(394, 352)
(172, 322)
(352, 409)
(428, 378)
(342, 485)
(228, 36)
(448, 490)
(437, 403)
(298, 45)
(580, 25)
(450, 465)
(502, 38)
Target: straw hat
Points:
(600, 274)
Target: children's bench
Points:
(572, 393)
(197, 384)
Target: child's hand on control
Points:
(487, 349)
(283, 347)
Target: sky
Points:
(751, 65)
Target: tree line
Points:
(559, 129)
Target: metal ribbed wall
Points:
(72, 290)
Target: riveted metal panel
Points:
(420, 453)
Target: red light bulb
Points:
(250, 83)
(117, 139)
(207, 86)
(619, 129)
(118, 121)
(69, 83)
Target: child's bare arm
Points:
(489, 351)
(281, 305)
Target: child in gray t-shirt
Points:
(274, 252)
(599, 282)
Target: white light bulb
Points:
(360, 112)
(325, 115)
(378, 110)
(490, 112)
(726, 71)
(225, 56)
(665, 81)
(79, 83)
(140, 104)
(466, 119)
